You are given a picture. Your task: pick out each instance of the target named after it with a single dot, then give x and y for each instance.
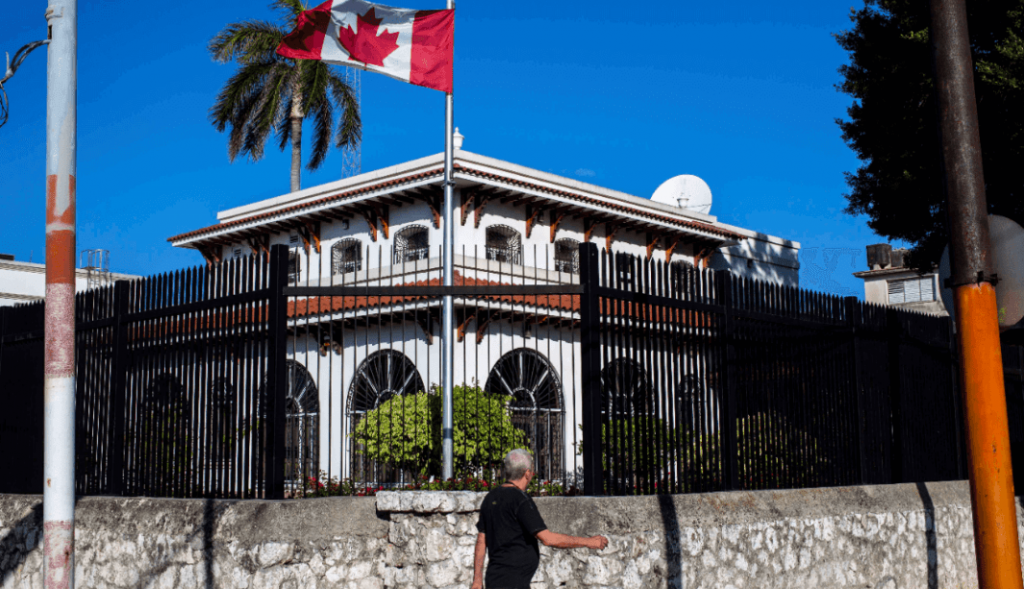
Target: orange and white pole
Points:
(988, 439)
(59, 323)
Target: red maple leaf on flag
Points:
(364, 44)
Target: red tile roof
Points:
(305, 205)
(706, 227)
(693, 225)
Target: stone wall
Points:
(888, 536)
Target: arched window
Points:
(301, 426)
(347, 256)
(162, 446)
(625, 389)
(536, 405)
(381, 376)
(504, 245)
(411, 244)
(567, 255)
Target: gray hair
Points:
(517, 462)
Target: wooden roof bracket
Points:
(468, 196)
(670, 249)
(482, 323)
(555, 218)
(652, 242)
(433, 197)
(532, 213)
(371, 220)
(478, 210)
(461, 331)
(588, 228)
(426, 324)
(260, 243)
(703, 255)
(211, 253)
(610, 229)
(313, 232)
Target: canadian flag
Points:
(414, 46)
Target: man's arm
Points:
(478, 561)
(556, 540)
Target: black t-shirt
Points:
(510, 521)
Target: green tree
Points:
(893, 126)
(405, 431)
(273, 93)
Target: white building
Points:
(25, 282)
(889, 282)
(514, 225)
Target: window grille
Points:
(911, 290)
(293, 239)
(683, 276)
(347, 256)
(293, 268)
(567, 256)
(411, 244)
(504, 245)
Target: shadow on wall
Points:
(670, 523)
(14, 550)
(929, 536)
(26, 535)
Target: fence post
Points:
(590, 366)
(853, 318)
(730, 462)
(894, 335)
(277, 371)
(115, 474)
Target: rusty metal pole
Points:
(988, 440)
(59, 324)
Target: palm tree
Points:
(273, 93)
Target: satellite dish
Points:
(1007, 239)
(685, 192)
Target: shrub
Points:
(405, 431)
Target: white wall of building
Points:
(25, 282)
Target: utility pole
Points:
(988, 439)
(59, 324)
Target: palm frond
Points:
(350, 127)
(315, 90)
(247, 82)
(268, 112)
(284, 126)
(288, 8)
(248, 41)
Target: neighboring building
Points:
(25, 282)
(890, 282)
(513, 225)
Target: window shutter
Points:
(927, 289)
(912, 290)
(896, 292)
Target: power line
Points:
(12, 66)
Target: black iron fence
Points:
(268, 376)
(702, 381)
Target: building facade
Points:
(25, 282)
(514, 225)
(890, 282)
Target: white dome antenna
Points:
(686, 192)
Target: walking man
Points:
(510, 527)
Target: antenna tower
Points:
(96, 264)
(351, 157)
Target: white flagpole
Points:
(447, 310)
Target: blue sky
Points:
(740, 93)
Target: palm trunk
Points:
(296, 119)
